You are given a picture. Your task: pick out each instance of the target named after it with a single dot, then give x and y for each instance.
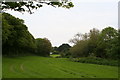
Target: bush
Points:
(44, 47)
(95, 60)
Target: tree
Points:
(54, 50)
(102, 44)
(92, 40)
(44, 47)
(118, 50)
(0, 34)
(84, 43)
(106, 44)
(80, 49)
(63, 47)
(63, 50)
(30, 5)
(15, 36)
(78, 37)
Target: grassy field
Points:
(43, 67)
(54, 55)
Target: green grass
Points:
(55, 55)
(44, 67)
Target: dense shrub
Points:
(80, 49)
(44, 47)
(95, 60)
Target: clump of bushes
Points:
(62, 50)
(95, 60)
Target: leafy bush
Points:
(95, 60)
(44, 47)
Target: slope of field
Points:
(43, 67)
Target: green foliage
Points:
(118, 47)
(64, 50)
(44, 47)
(80, 49)
(95, 60)
(15, 36)
(107, 46)
(55, 51)
(17, 39)
(84, 43)
(30, 5)
(102, 44)
(93, 39)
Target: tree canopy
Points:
(103, 44)
(15, 35)
(108, 43)
(44, 47)
(30, 5)
(63, 50)
(17, 40)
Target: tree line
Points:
(102, 44)
(17, 40)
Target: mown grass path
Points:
(43, 67)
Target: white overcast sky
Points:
(59, 25)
